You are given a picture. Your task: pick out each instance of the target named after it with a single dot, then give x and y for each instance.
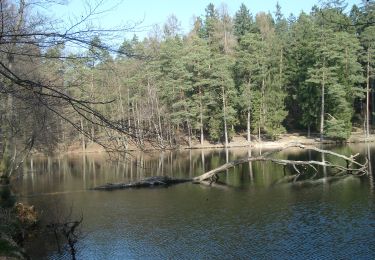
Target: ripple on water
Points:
(252, 220)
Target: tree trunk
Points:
(248, 127)
(262, 118)
(129, 113)
(225, 120)
(189, 133)
(137, 124)
(82, 135)
(368, 95)
(322, 110)
(201, 115)
(122, 117)
(259, 124)
(249, 114)
(92, 96)
(160, 130)
(281, 66)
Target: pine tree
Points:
(175, 85)
(197, 62)
(243, 22)
(222, 95)
(336, 71)
(302, 96)
(368, 42)
(246, 70)
(211, 19)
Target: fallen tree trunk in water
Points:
(352, 167)
(155, 181)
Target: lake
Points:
(254, 216)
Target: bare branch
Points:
(360, 170)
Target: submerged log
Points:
(155, 181)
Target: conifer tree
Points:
(197, 62)
(243, 22)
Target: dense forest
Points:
(259, 75)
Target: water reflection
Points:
(271, 219)
(87, 171)
(251, 174)
(370, 167)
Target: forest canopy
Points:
(257, 74)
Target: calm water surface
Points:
(254, 216)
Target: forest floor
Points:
(239, 141)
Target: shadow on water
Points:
(332, 219)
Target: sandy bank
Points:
(238, 142)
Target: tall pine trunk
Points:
(322, 109)
(225, 119)
(248, 127)
(249, 116)
(201, 115)
(368, 95)
(189, 133)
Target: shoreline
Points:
(236, 142)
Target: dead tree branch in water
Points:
(352, 166)
(67, 229)
(210, 178)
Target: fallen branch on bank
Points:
(353, 167)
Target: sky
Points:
(150, 12)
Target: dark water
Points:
(253, 217)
